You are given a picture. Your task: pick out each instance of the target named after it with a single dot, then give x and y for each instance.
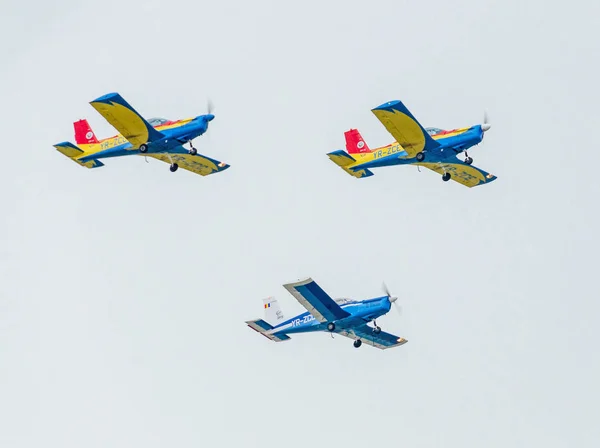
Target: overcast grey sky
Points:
(124, 290)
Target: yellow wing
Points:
(405, 128)
(198, 163)
(125, 119)
(462, 173)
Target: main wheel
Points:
(143, 147)
(331, 326)
(174, 167)
(469, 160)
(446, 177)
(357, 343)
(376, 330)
(420, 156)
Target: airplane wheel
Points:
(331, 326)
(174, 167)
(357, 343)
(143, 147)
(446, 177)
(420, 156)
(193, 151)
(469, 160)
(376, 330)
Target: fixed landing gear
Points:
(143, 148)
(331, 327)
(357, 343)
(446, 177)
(173, 167)
(193, 151)
(468, 160)
(376, 328)
(420, 156)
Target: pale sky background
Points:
(124, 290)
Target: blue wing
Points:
(316, 301)
(382, 340)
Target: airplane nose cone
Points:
(209, 117)
(486, 127)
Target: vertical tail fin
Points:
(273, 313)
(355, 144)
(83, 133)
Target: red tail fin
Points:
(84, 133)
(355, 143)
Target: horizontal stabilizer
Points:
(263, 327)
(74, 152)
(342, 159)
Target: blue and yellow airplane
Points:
(157, 137)
(432, 148)
(341, 316)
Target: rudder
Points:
(84, 135)
(355, 143)
(273, 313)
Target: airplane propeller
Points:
(486, 122)
(392, 299)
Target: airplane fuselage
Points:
(361, 312)
(174, 136)
(451, 143)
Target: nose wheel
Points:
(468, 160)
(193, 151)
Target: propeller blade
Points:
(398, 308)
(209, 106)
(385, 289)
(486, 122)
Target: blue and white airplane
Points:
(341, 316)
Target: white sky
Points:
(124, 290)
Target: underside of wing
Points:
(405, 128)
(380, 340)
(125, 119)
(316, 301)
(468, 175)
(198, 163)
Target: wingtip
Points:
(387, 105)
(104, 98)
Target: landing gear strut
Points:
(376, 329)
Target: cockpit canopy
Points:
(157, 121)
(344, 301)
(434, 131)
